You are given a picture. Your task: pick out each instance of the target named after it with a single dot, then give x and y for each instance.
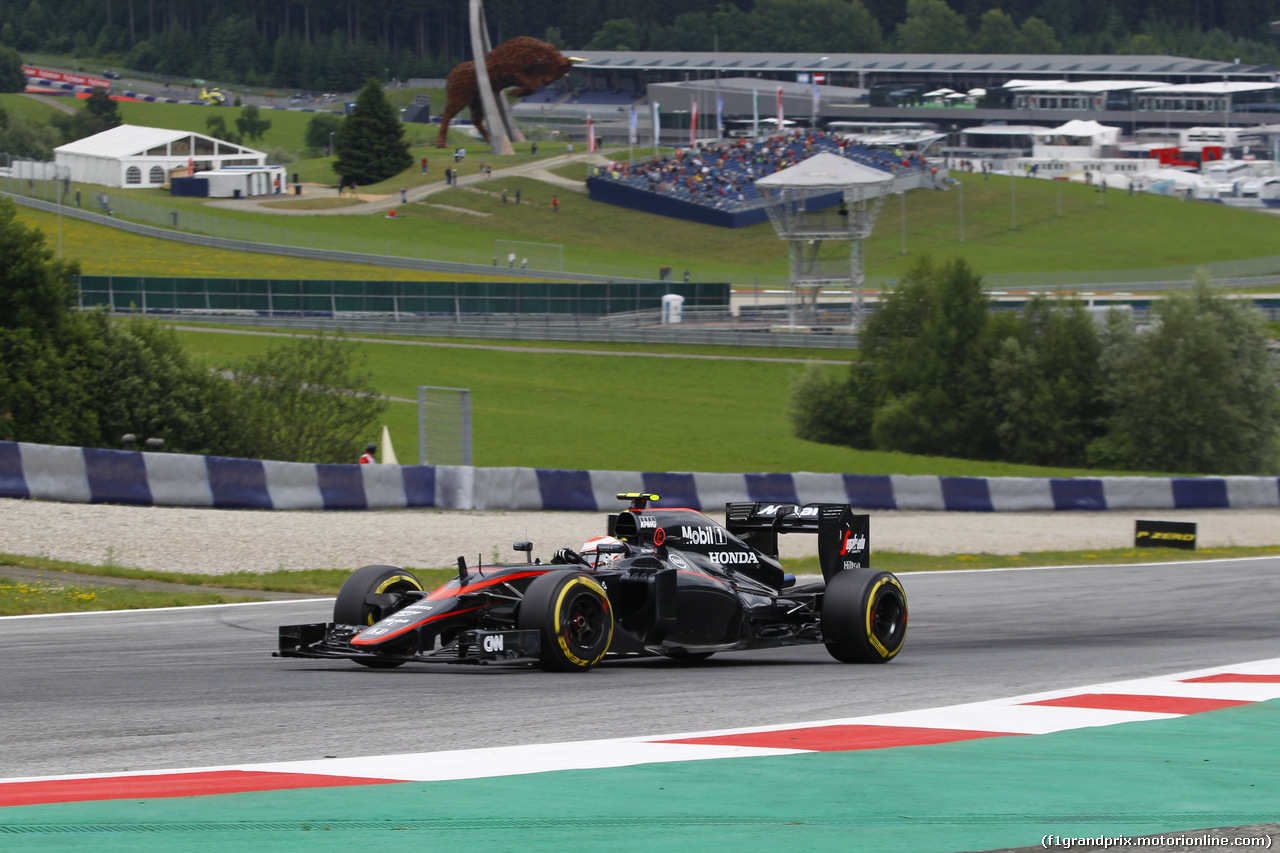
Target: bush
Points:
(319, 128)
(942, 375)
(827, 408)
(1195, 393)
(305, 401)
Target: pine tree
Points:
(370, 143)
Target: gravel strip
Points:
(213, 541)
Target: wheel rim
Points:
(584, 623)
(887, 615)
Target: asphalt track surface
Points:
(149, 690)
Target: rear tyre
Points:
(864, 616)
(367, 596)
(572, 615)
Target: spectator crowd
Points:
(724, 175)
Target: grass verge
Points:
(900, 563)
(55, 596)
(23, 598)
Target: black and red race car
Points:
(668, 582)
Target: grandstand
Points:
(721, 177)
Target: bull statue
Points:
(521, 61)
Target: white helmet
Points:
(589, 547)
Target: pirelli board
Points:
(1165, 534)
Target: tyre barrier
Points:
(91, 475)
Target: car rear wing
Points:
(844, 538)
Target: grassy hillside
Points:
(634, 412)
(107, 251)
(1094, 232)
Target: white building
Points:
(132, 156)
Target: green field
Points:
(624, 413)
(102, 250)
(1127, 232)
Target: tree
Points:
(1039, 38)
(143, 382)
(997, 33)
(22, 137)
(319, 129)
(216, 126)
(831, 409)
(618, 34)
(932, 349)
(808, 25)
(12, 77)
(42, 382)
(370, 143)
(932, 27)
(1047, 387)
(305, 401)
(251, 124)
(37, 291)
(100, 106)
(1195, 393)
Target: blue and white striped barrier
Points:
(88, 475)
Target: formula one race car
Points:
(668, 582)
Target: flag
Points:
(634, 136)
(591, 135)
(755, 113)
(657, 125)
(719, 116)
(693, 120)
(191, 166)
(779, 109)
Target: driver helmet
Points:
(589, 547)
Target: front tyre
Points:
(573, 617)
(369, 595)
(864, 616)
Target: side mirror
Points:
(526, 547)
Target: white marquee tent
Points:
(1075, 139)
(132, 156)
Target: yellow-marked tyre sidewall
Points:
(547, 607)
(558, 616)
(878, 589)
(848, 610)
(350, 607)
